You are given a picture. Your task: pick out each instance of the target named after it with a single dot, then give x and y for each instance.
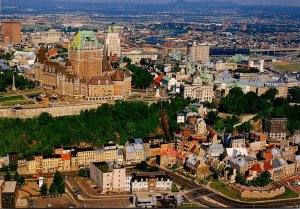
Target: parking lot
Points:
(91, 188)
(57, 202)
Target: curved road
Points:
(199, 191)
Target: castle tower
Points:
(112, 42)
(86, 55)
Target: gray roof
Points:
(130, 148)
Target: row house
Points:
(50, 163)
(151, 182)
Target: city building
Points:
(109, 177)
(151, 182)
(8, 194)
(199, 53)
(11, 33)
(204, 92)
(51, 36)
(276, 128)
(85, 74)
(137, 56)
(112, 42)
(144, 200)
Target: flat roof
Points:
(22, 203)
(9, 187)
(105, 167)
(144, 195)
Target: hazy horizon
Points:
(245, 2)
(293, 3)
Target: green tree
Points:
(82, 172)
(270, 94)
(240, 179)
(294, 94)
(141, 78)
(143, 166)
(17, 177)
(58, 179)
(22, 180)
(44, 189)
(44, 119)
(13, 166)
(7, 176)
(61, 188)
(212, 117)
(128, 60)
(143, 62)
(53, 189)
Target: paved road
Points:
(197, 192)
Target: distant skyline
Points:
(245, 2)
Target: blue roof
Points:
(138, 141)
(130, 148)
(3, 66)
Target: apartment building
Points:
(151, 182)
(199, 53)
(276, 128)
(204, 92)
(8, 194)
(109, 177)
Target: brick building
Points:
(11, 33)
(85, 74)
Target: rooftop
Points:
(9, 187)
(105, 167)
(144, 195)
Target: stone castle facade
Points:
(85, 74)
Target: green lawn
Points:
(203, 181)
(21, 102)
(285, 66)
(220, 187)
(11, 98)
(189, 206)
(174, 188)
(288, 194)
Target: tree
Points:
(59, 182)
(270, 94)
(7, 176)
(58, 179)
(143, 166)
(294, 94)
(240, 179)
(17, 177)
(22, 180)
(53, 189)
(128, 60)
(13, 166)
(44, 119)
(143, 62)
(82, 172)
(61, 188)
(141, 78)
(212, 117)
(44, 189)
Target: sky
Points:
(248, 2)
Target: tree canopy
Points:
(141, 78)
(6, 79)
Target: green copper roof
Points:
(235, 84)
(85, 40)
(111, 29)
